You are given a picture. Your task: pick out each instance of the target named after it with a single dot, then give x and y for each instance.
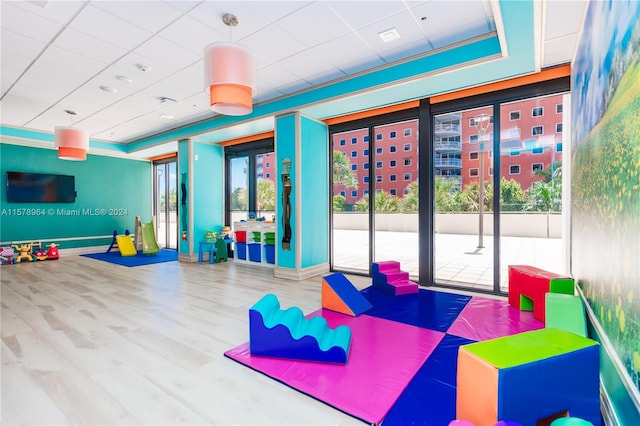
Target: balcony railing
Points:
(448, 146)
(447, 128)
(448, 162)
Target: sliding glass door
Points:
(166, 203)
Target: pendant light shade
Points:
(72, 143)
(230, 78)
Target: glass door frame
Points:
(156, 200)
(426, 174)
(370, 123)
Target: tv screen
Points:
(40, 188)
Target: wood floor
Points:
(86, 342)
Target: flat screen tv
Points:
(40, 188)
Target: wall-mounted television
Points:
(40, 188)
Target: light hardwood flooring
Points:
(86, 342)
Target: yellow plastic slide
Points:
(125, 245)
(149, 244)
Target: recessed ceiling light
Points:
(124, 79)
(389, 35)
(109, 89)
(70, 112)
(166, 116)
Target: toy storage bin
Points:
(241, 236)
(270, 238)
(270, 253)
(256, 236)
(254, 252)
(241, 251)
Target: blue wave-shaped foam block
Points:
(278, 333)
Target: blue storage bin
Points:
(270, 254)
(241, 251)
(254, 252)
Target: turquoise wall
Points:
(208, 189)
(314, 177)
(286, 148)
(111, 193)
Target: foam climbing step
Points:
(340, 295)
(566, 312)
(278, 333)
(388, 277)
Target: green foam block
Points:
(566, 312)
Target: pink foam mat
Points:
(484, 319)
(383, 358)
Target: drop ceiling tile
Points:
(19, 43)
(314, 24)
(210, 14)
(559, 50)
(148, 15)
(98, 23)
(358, 15)
(18, 110)
(191, 34)
(24, 22)
(563, 18)
(57, 11)
(165, 52)
(88, 46)
(178, 86)
(348, 53)
(266, 44)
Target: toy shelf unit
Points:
(255, 243)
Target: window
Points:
(392, 163)
(490, 171)
(407, 162)
(378, 178)
(379, 137)
(354, 167)
(537, 166)
(406, 190)
(558, 127)
(365, 192)
(392, 191)
(354, 193)
(365, 179)
(473, 172)
(343, 142)
(537, 130)
(472, 121)
(473, 138)
(407, 147)
(559, 147)
(514, 153)
(537, 150)
(354, 141)
(537, 111)
(344, 194)
(267, 176)
(392, 178)
(514, 115)
(379, 150)
(393, 135)
(407, 177)
(558, 108)
(365, 152)
(407, 132)
(378, 164)
(365, 166)
(393, 148)
(365, 139)
(354, 154)
(473, 155)
(514, 169)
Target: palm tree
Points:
(342, 173)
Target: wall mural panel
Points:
(606, 178)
